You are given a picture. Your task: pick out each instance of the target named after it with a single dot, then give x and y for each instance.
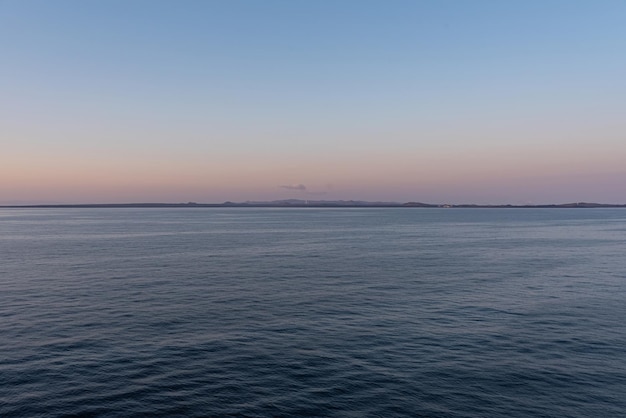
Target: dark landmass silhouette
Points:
(298, 203)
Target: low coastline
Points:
(312, 204)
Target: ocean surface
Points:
(313, 312)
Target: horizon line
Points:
(300, 203)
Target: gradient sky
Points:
(436, 101)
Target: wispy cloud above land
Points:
(301, 188)
(298, 187)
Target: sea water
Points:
(313, 312)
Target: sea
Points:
(318, 312)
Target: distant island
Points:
(299, 203)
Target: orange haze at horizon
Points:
(455, 176)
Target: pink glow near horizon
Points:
(451, 177)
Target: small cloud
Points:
(300, 187)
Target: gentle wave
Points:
(349, 312)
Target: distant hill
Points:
(315, 203)
(420, 205)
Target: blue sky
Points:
(459, 101)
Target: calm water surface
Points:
(313, 312)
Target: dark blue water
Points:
(313, 312)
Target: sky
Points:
(441, 101)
